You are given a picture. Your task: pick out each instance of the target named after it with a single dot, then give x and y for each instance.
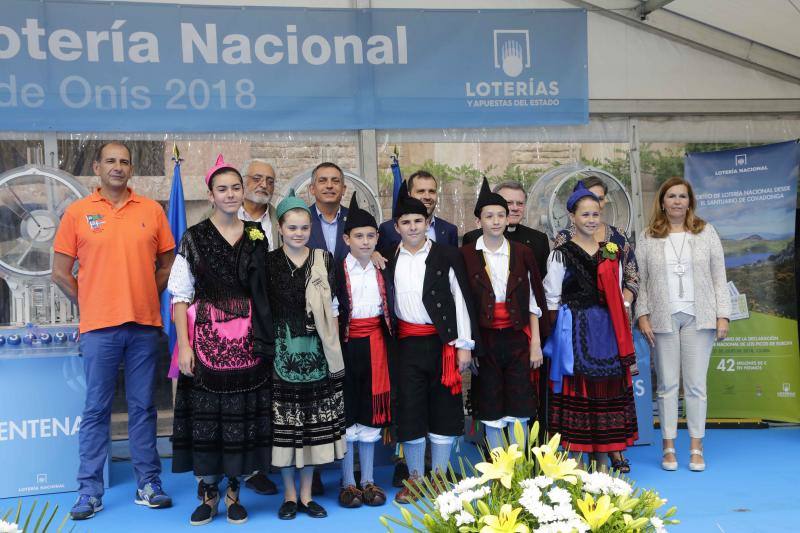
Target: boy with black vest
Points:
(365, 324)
(506, 287)
(435, 341)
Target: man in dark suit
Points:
(328, 215)
(422, 186)
(537, 241)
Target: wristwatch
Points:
(627, 304)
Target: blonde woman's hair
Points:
(659, 224)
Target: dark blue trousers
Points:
(103, 350)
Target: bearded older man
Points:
(259, 186)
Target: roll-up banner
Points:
(750, 196)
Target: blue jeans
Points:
(103, 350)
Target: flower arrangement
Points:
(9, 527)
(255, 234)
(610, 251)
(535, 490)
(35, 522)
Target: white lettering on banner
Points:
(75, 92)
(66, 45)
(760, 194)
(511, 88)
(198, 44)
(271, 49)
(29, 94)
(38, 428)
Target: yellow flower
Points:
(504, 522)
(612, 248)
(255, 234)
(555, 465)
(502, 465)
(596, 514)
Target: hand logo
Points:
(512, 59)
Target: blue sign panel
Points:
(71, 66)
(41, 404)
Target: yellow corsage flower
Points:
(610, 251)
(255, 234)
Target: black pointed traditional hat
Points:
(357, 217)
(487, 197)
(407, 205)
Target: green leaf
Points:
(62, 524)
(50, 520)
(28, 519)
(41, 517)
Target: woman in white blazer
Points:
(683, 306)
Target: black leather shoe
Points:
(317, 488)
(312, 509)
(288, 511)
(261, 484)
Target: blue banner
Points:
(41, 405)
(750, 196)
(78, 66)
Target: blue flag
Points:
(176, 215)
(398, 180)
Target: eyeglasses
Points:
(259, 178)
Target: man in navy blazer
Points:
(328, 215)
(422, 186)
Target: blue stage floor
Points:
(751, 485)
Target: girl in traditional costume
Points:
(630, 271)
(308, 371)
(591, 347)
(222, 406)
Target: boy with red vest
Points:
(506, 287)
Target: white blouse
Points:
(181, 281)
(497, 262)
(409, 275)
(556, 270)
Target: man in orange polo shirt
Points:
(124, 248)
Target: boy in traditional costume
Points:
(435, 341)
(365, 325)
(506, 288)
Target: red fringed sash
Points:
(451, 377)
(381, 394)
(608, 285)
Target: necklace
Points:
(678, 269)
(289, 263)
